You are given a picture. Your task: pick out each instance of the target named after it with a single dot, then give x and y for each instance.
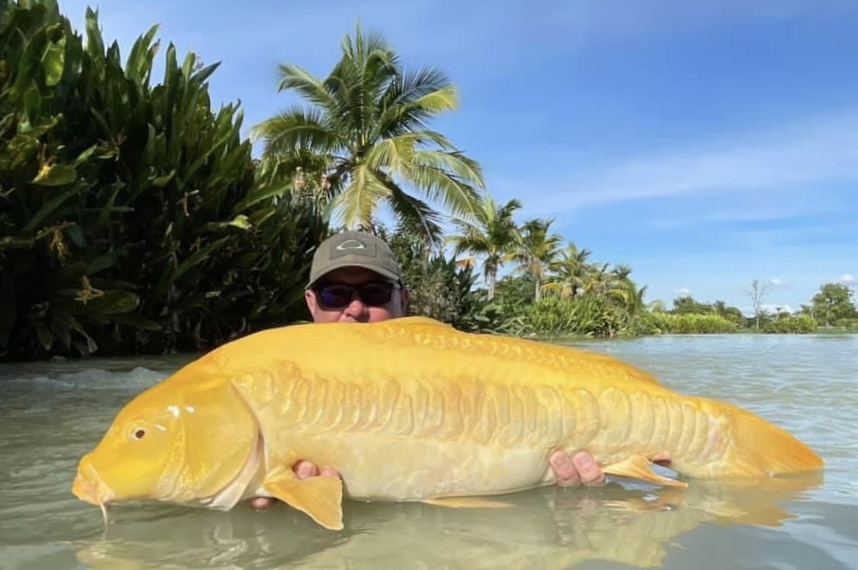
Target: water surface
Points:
(52, 413)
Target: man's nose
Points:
(356, 309)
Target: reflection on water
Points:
(549, 528)
(51, 414)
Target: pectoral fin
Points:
(320, 497)
(466, 503)
(638, 467)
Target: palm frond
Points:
(448, 178)
(296, 130)
(410, 101)
(359, 198)
(417, 216)
(393, 154)
(298, 79)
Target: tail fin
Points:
(761, 448)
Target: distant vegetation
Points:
(135, 219)
(690, 316)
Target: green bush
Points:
(582, 316)
(793, 324)
(130, 218)
(442, 289)
(849, 325)
(669, 323)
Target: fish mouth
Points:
(89, 487)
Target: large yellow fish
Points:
(410, 410)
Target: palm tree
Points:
(622, 271)
(598, 279)
(569, 272)
(365, 131)
(626, 294)
(625, 297)
(537, 252)
(493, 235)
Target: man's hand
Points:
(576, 469)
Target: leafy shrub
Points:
(669, 323)
(794, 324)
(130, 217)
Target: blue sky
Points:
(705, 144)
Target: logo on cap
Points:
(351, 244)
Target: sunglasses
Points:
(339, 295)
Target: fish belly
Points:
(378, 468)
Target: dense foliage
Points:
(440, 287)
(130, 219)
(792, 324)
(690, 323)
(609, 304)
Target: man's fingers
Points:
(588, 470)
(329, 472)
(662, 459)
(564, 469)
(305, 469)
(261, 503)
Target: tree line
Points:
(832, 307)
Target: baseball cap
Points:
(354, 249)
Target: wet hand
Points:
(577, 469)
(306, 469)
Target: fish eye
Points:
(138, 433)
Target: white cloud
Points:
(777, 282)
(847, 278)
(683, 291)
(818, 150)
(761, 206)
(774, 309)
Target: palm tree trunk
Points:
(493, 273)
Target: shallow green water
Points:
(50, 414)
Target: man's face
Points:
(341, 287)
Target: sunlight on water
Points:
(52, 413)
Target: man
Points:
(355, 277)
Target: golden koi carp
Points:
(410, 410)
